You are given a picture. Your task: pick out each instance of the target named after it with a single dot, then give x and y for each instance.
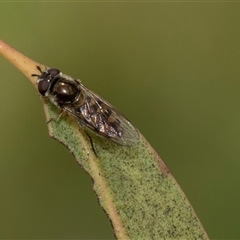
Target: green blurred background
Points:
(172, 68)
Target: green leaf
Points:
(133, 185)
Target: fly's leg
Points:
(55, 119)
(91, 141)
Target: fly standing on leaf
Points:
(90, 110)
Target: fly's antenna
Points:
(40, 70)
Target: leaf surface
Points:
(133, 185)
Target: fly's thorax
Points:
(65, 92)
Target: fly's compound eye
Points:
(43, 86)
(65, 92)
(53, 72)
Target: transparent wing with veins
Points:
(99, 116)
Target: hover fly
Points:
(90, 110)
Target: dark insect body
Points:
(89, 109)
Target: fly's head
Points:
(46, 80)
(60, 90)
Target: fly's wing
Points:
(103, 119)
